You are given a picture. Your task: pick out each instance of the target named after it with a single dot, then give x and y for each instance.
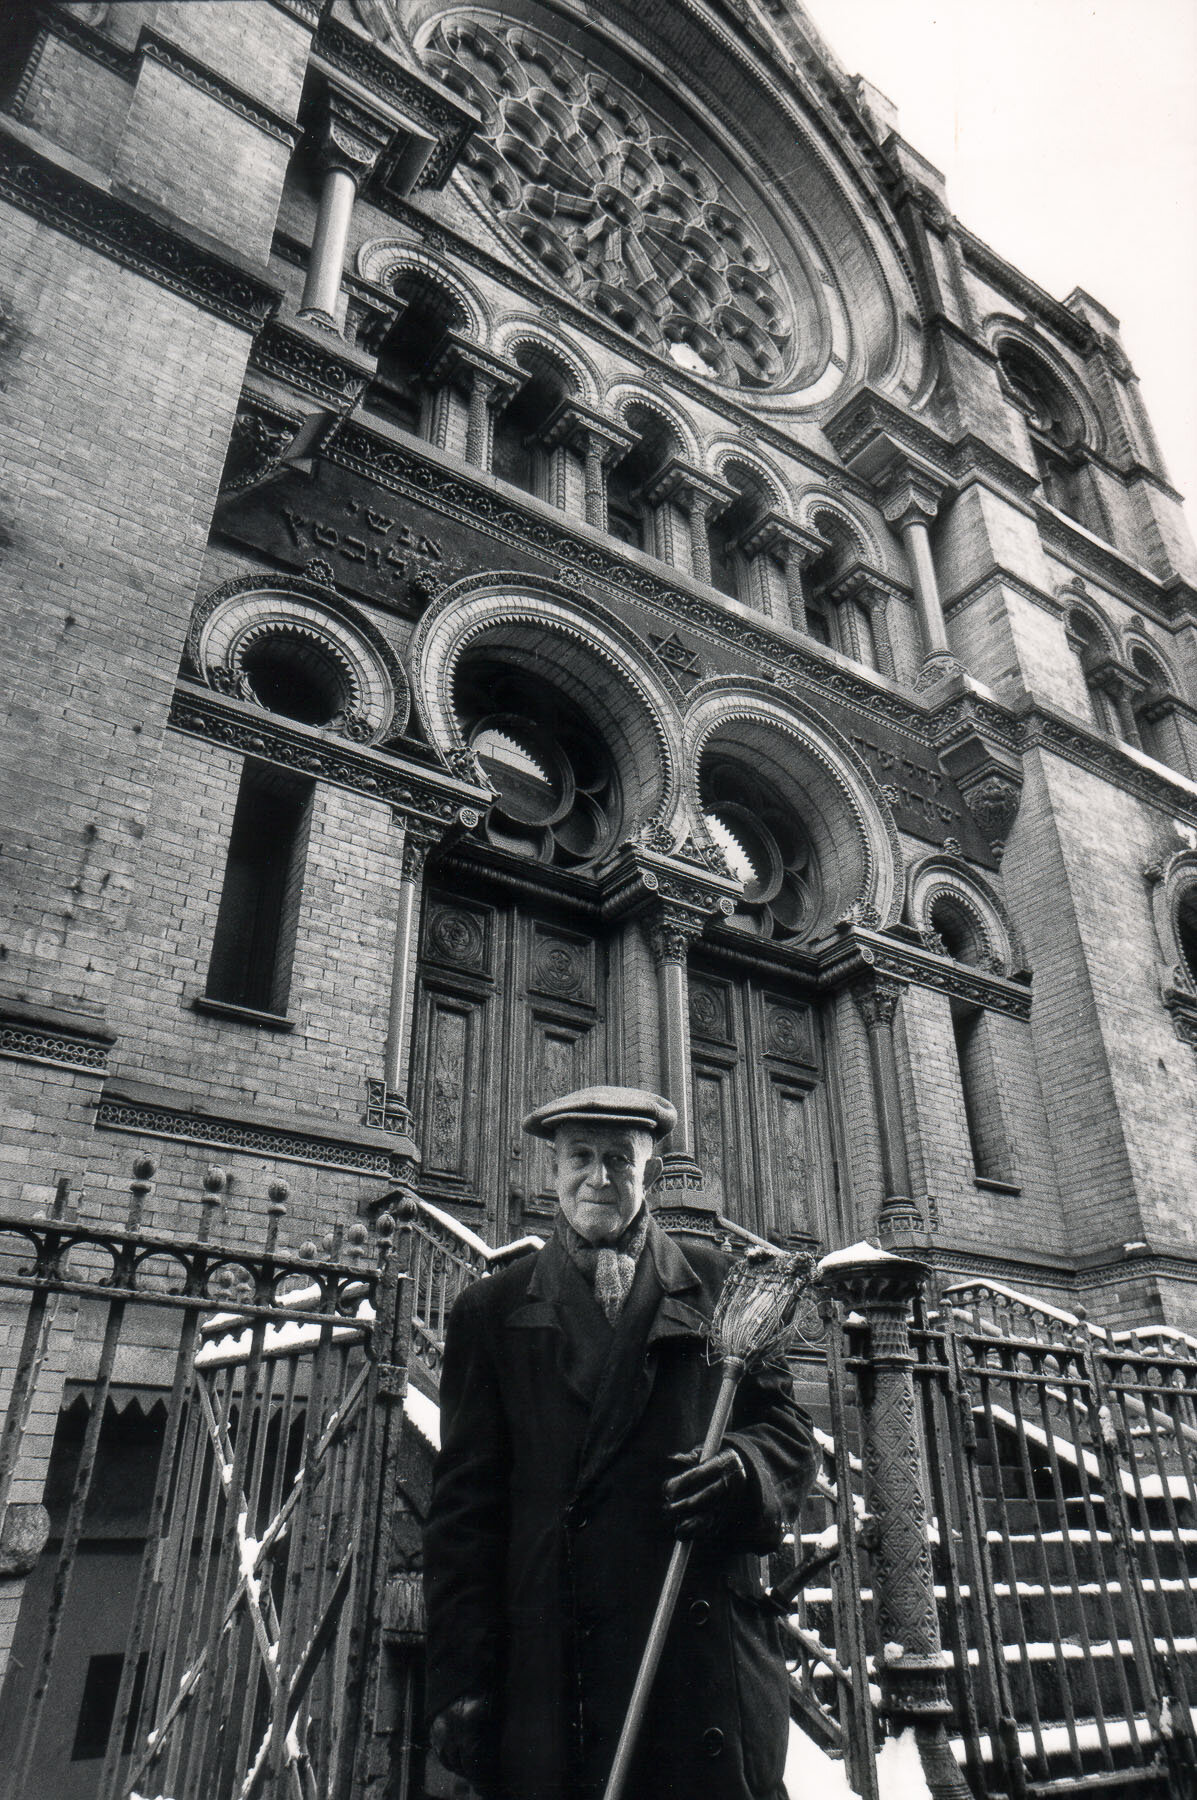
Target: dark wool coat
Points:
(546, 1544)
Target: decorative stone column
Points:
(864, 587)
(909, 500)
(910, 1668)
(877, 998)
(598, 441)
(487, 382)
(700, 496)
(386, 1107)
(350, 144)
(794, 549)
(672, 928)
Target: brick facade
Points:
(157, 344)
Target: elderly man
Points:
(575, 1390)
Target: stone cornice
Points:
(1026, 292)
(152, 1112)
(64, 199)
(153, 46)
(862, 951)
(329, 371)
(1044, 729)
(1082, 1274)
(1077, 547)
(446, 118)
(57, 1039)
(997, 576)
(438, 799)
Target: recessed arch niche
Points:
(808, 832)
(568, 723)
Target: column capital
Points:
(351, 135)
(775, 533)
(866, 586)
(909, 493)
(460, 360)
(581, 428)
(877, 998)
(680, 481)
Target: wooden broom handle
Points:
(733, 1368)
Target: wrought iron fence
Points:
(1000, 1552)
(247, 1653)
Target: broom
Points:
(754, 1315)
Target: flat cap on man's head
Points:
(634, 1108)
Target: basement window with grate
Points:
(249, 975)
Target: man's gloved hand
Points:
(704, 1496)
(466, 1739)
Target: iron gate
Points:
(252, 1653)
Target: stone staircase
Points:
(1083, 1648)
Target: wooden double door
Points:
(762, 1126)
(511, 1010)
(517, 1004)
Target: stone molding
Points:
(414, 93)
(328, 372)
(439, 800)
(58, 1040)
(118, 229)
(227, 1131)
(863, 950)
(158, 49)
(1075, 331)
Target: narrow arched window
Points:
(520, 455)
(630, 516)
(403, 389)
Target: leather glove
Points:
(704, 1496)
(465, 1738)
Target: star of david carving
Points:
(677, 656)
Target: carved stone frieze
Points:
(323, 1150)
(227, 721)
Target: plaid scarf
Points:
(609, 1269)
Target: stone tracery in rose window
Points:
(618, 210)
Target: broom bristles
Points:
(757, 1308)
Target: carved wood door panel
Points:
(510, 1011)
(762, 1132)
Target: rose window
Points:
(618, 210)
(557, 795)
(767, 849)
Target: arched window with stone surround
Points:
(630, 516)
(1153, 703)
(1093, 651)
(731, 567)
(1056, 428)
(403, 390)
(520, 454)
(842, 624)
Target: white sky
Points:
(1067, 130)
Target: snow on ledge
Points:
(864, 1252)
(425, 1415)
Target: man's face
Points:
(601, 1174)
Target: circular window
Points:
(766, 848)
(297, 677)
(557, 794)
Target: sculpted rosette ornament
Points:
(620, 211)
